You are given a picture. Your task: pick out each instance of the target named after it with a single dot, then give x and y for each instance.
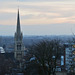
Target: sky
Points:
(38, 17)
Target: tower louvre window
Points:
(18, 47)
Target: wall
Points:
(61, 73)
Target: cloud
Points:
(36, 0)
(45, 12)
(38, 17)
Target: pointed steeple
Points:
(19, 47)
(18, 23)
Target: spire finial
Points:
(18, 7)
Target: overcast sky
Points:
(38, 17)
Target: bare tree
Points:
(46, 53)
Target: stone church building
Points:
(19, 47)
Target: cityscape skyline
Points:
(39, 17)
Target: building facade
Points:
(70, 57)
(19, 47)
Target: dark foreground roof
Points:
(7, 55)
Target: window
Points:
(19, 47)
(74, 52)
(73, 46)
(74, 59)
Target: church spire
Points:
(19, 47)
(18, 23)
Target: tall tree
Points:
(47, 53)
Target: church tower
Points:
(19, 47)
